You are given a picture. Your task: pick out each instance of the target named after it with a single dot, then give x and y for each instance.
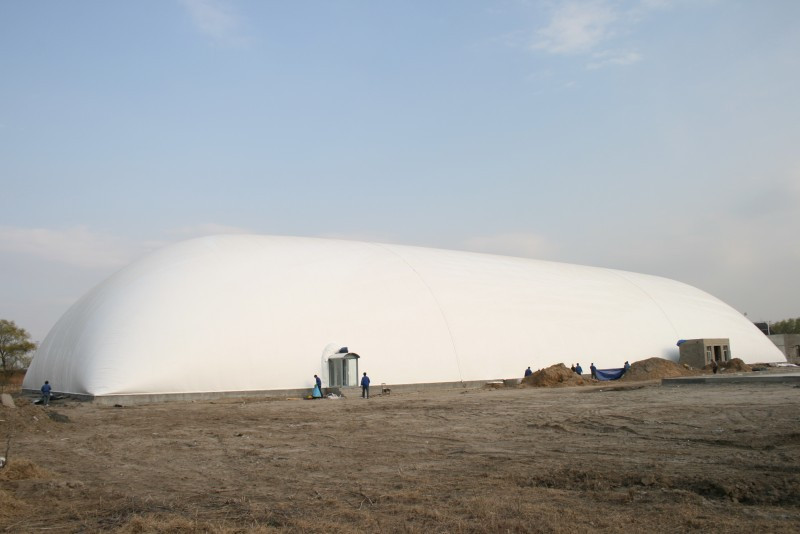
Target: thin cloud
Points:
(78, 246)
(609, 58)
(216, 20)
(85, 248)
(593, 28)
(576, 28)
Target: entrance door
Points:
(343, 371)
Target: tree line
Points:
(786, 326)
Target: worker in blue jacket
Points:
(46, 393)
(318, 381)
(317, 391)
(579, 369)
(365, 386)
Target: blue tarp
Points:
(610, 374)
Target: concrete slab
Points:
(738, 378)
(159, 398)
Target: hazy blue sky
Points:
(656, 136)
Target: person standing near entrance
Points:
(365, 386)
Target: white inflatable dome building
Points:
(245, 313)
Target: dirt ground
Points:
(635, 457)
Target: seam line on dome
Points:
(648, 295)
(435, 300)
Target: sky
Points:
(655, 136)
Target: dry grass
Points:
(645, 459)
(22, 469)
(10, 506)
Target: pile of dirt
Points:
(735, 366)
(26, 416)
(554, 376)
(654, 369)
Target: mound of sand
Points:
(554, 376)
(736, 365)
(654, 369)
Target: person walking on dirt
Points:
(46, 392)
(365, 386)
(528, 371)
(593, 369)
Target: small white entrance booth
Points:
(343, 370)
(339, 366)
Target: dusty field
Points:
(635, 458)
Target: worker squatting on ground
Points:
(365, 386)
